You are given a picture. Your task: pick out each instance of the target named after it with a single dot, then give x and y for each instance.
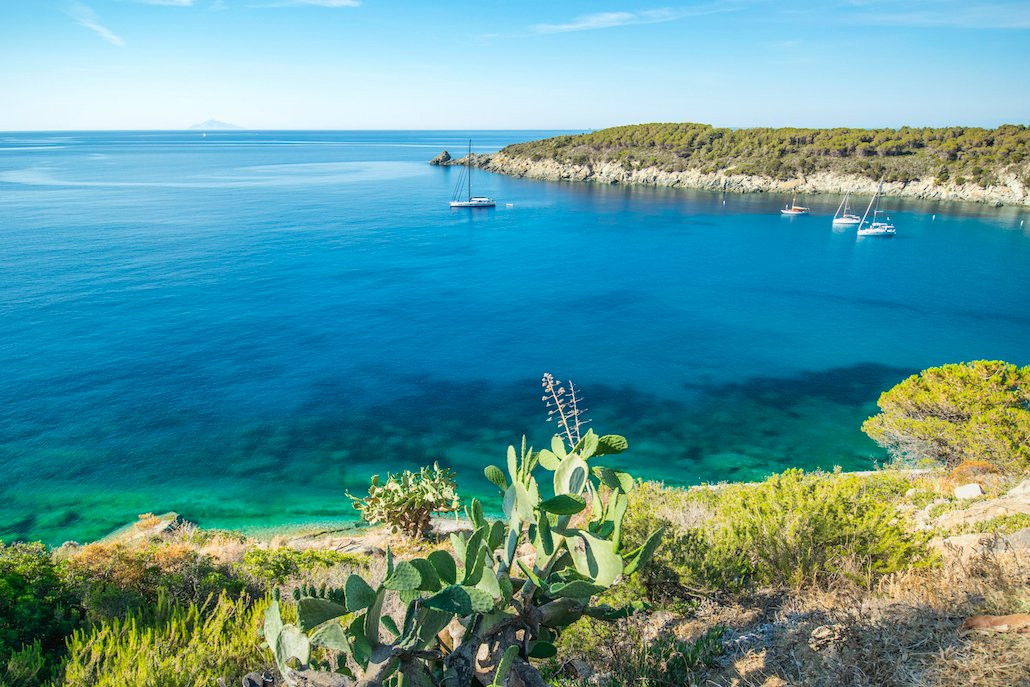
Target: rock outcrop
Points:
(443, 158)
(1011, 190)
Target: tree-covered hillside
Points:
(957, 154)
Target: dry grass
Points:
(903, 633)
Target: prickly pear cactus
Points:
(406, 501)
(513, 603)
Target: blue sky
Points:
(370, 64)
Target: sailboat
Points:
(843, 216)
(471, 201)
(794, 208)
(876, 227)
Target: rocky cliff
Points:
(1010, 191)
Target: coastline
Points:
(1010, 192)
(306, 533)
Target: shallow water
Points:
(241, 326)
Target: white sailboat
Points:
(794, 208)
(876, 227)
(470, 201)
(843, 217)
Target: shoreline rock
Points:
(443, 158)
(1010, 192)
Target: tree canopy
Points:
(953, 413)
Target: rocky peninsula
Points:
(972, 165)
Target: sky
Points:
(511, 64)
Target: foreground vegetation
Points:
(957, 154)
(820, 578)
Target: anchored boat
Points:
(470, 201)
(794, 208)
(843, 217)
(876, 227)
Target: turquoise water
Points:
(242, 326)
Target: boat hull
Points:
(791, 213)
(847, 221)
(877, 231)
(472, 204)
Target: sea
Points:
(243, 327)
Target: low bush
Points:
(1002, 524)
(115, 578)
(27, 667)
(170, 645)
(793, 529)
(632, 653)
(799, 528)
(275, 566)
(37, 611)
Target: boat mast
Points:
(835, 215)
(869, 207)
(468, 170)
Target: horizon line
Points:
(531, 129)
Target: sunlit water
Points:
(241, 326)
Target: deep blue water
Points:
(240, 326)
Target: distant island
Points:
(954, 163)
(215, 125)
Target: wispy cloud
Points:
(608, 20)
(88, 18)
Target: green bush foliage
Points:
(26, 668)
(631, 653)
(275, 566)
(903, 155)
(169, 645)
(793, 529)
(37, 610)
(406, 501)
(115, 578)
(978, 411)
(800, 528)
(697, 558)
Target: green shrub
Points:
(794, 528)
(37, 609)
(406, 501)
(696, 559)
(799, 528)
(631, 653)
(26, 668)
(275, 566)
(977, 411)
(115, 578)
(1002, 524)
(171, 645)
